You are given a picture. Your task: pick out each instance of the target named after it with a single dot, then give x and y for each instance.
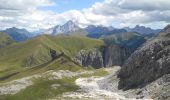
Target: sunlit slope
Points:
(36, 51)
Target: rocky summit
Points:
(70, 26)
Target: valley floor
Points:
(66, 85)
(98, 88)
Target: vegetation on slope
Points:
(5, 40)
(44, 89)
(36, 51)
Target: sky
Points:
(43, 14)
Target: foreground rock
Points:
(147, 64)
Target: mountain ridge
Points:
(18, 34)
(143, 30)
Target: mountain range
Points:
(142, 30)
(71, 28)
(93, 31)
(67, 48)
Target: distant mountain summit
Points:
(68, 27)
(18, 34)
(143, 30)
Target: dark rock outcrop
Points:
(89, 58)
(148, 63)
(115, 55)
(53, 54)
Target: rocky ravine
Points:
(149, 63)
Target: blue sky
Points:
(65, 5)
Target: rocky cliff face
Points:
(148, 63)
(110, 56)
(89, 58)
(115, 55)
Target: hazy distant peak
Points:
(69, 26)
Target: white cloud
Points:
(26, 13)
(131, 12)
(23, 4)
(145, 5)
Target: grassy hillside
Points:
(62, 63)
(36, 51)
(5, 40)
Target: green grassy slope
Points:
(5, 40)
(62, 63)
(35, 51)
(42, 88)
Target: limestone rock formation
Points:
(92, 58)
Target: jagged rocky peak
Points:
(66, 28)
(147, 64)
(70, 26)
